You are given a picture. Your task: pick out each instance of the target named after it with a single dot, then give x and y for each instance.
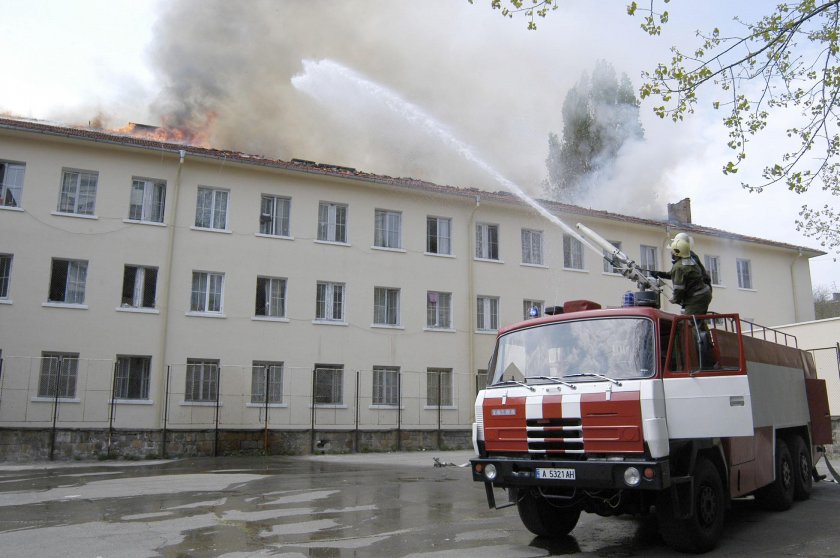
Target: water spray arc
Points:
(319, 73)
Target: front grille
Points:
(555, 435)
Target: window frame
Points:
(6, 261)
(442, 378)
(79, 269)
(439, 310)
(275, 371)
(9, 191)
(277, 225)
(384, 235)
(335, 387)
(151, 211)
(743, 268)
(608, 268)
(269, 298)
(572, 251)
(333, 220)
(486, 309)
(328, 302)
(82, 207)
(712, 265)
(487, 242)
(124, 378)
(386, 312)
(207, 382)
(385, 386)
(205, 295)
(214, 211)
(532, 241)
(53, 390)
(139, 287)
(648, 257)
(435, 238)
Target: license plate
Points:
(556, 474)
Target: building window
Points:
(332, 222)
(532, 247)
(744, 273)
(59, 372)
(329, 384)
(712, 264)
(329, 301)
(274, 215)
(67, 281)
(78, 192)
(387, 231)
(271, 297)
(147, 200)
(267, 376)
(139, 287)
(487, 313)
(11, 183)
(438, 310)
(207, 292)
(202, 380)
(647, 257)
(572, 252)
(608, 267)
(486, 241)
(439, 387)
(532, 309)
(386, 385)
(211, 208)
(439, 235)
(132, 377)
(386, 306)
(5, 274)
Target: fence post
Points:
(265, 428)
(165, 412)
(1, 376)
(439, 403)
(55, 407)
(312, 419)
(399, 410)
(218, 393)
(113, 405)
(356, 430)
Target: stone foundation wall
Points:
(22, 445)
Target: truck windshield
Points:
(618, 348)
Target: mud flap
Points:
(682, 496)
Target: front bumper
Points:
(591, 474)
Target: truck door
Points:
(707, 391)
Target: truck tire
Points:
(778, 495)
(802, 479)
(543, 518)
(702, 530)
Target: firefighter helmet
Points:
(685, 236)
(681, 248)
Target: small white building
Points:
(153, 287)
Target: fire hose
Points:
(821, 449)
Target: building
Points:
(149, 288)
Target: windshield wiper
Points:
(593, 374)
(502, 382)
(551, 379)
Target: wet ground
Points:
(389, 505)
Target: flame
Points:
(187, 133)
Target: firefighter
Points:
(692, 284)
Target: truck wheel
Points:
(700, 532)
(802, 479)
(778, 495)
(543, 518)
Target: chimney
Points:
(680, 212)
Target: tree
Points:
(600, 114)
(826, 302)
(788, 60)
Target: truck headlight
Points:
(490, 472)
(632, 477)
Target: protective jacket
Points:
(692, 285)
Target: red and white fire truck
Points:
(637, 410)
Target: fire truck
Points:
(635, 410)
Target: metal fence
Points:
(63, 391)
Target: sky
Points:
(227, 67)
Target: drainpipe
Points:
(796, 316)
(166, 280)
(471, 285)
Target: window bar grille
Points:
(218, 401)
(439, 400)
(312, 417)
(265, 429)
(399, 410)
(112, 406)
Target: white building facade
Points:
(153, 287)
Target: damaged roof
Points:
(311, 167)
